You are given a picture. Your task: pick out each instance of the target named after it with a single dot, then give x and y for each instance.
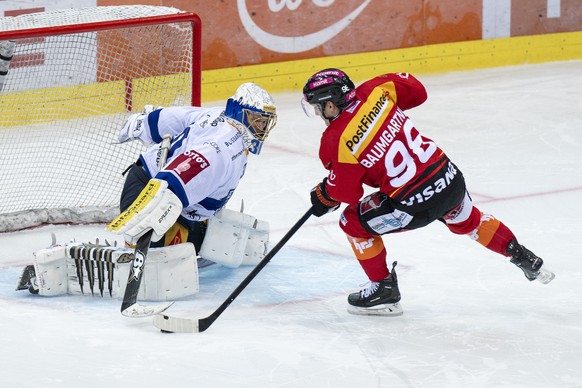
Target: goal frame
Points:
(34, 217)
(188, 17)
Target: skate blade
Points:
(545, 276)
(25, 278)
(392, 310)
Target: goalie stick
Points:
(129, 306)
(169, 324)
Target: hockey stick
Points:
(170, 324)
(129, 305)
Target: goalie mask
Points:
(327, 85)
(255, 109)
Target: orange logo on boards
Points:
(298, 41)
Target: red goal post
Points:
(68, 80)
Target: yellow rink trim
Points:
(99, 98)
(439, 58)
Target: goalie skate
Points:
(27, 280)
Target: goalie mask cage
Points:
(68, 81)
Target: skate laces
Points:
(369, 289)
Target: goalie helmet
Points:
(255, 109)
(327, 85)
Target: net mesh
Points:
(64, 99)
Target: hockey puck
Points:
(165, 331)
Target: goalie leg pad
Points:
(50, 267)
(89, 269)
(257, 243)
(171, 273)
(234, 239)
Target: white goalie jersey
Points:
(206, 161)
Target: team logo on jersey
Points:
(389, 222)
(384, 139)
(433, 188)
(214, 145)
(451, 215)
(366, 122)
(372, 202)
(188, 165)
(233, 139)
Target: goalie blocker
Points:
(232, 239)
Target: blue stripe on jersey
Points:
(175, 185)
(211, 204)
(144, 165)
(214, 204)
(179, 139)
(153, 119)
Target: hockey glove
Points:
(133, 127)
(156, 207)
(321, 201)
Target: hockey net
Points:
(68, 81)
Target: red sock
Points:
(492, 234)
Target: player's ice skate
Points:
(532, 266)
(388, 309)
(545, 275)
(378, 298)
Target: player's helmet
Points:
(255, 109)
(328, 85)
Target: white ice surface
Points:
(471, 319)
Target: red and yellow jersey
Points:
(372, 142)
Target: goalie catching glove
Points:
(156, 208)
(134, 125)
(321, 201)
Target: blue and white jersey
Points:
(206, 161)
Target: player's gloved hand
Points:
(133, 126)
(156, 207)
(321, 201)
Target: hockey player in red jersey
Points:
(369, 140)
